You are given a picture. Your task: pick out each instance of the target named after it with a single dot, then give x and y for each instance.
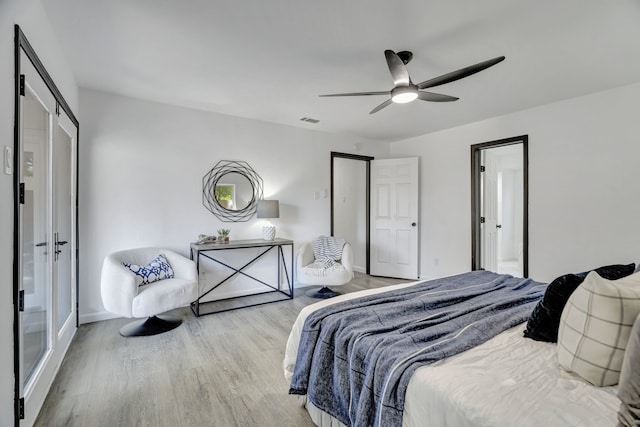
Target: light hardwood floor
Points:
(223, 369)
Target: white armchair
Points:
(122, 295)
(336, 275)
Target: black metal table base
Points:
(273, 293)
(235, 303)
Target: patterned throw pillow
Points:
(158, 269)
(595, 327)
(545, 318)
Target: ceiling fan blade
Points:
(461, 73)
(358, 93)
(398, 70)
(436, 97)
(381, 106)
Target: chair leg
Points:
(153, 325)
(323, 293)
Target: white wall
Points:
(583, 185)
(141, 169)
(30, 15)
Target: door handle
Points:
(413, 224)
(41, 245)
(58, 243)
(58, 251)
(498, 225)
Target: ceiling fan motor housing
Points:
(405, 56)
(404, 94)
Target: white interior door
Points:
(46, 156)
(489, 208)
(394, 218)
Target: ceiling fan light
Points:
(404, 94)
(403, 98)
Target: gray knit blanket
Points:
(327, 251)
(355, 357)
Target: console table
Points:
(272, 292)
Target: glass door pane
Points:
(35, 234)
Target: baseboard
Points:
(96, 317)
(360, 269)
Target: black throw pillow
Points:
(544, 320)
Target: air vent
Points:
(310, 120)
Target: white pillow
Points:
(595, 327)
(629, 388)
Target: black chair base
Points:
(323, 293)
(153, 325)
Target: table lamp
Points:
(268, 209)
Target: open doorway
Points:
(499, 171)
(350, 204)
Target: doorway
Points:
(45, 242)
(499, 206)
(350, 175)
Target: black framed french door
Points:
(45, 235)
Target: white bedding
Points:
(509, 380)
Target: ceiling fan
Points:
(404, 90)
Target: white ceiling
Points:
(269, 60)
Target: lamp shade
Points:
(268, 209)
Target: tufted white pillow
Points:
(595, 327)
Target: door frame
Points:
(367, 160)
(21, 44)
(475, 198)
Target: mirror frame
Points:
(211, 179)
(475, 199)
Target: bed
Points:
(505, 380)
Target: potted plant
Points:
(223, 234)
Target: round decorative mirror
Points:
(234, 191)
(231, 190)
